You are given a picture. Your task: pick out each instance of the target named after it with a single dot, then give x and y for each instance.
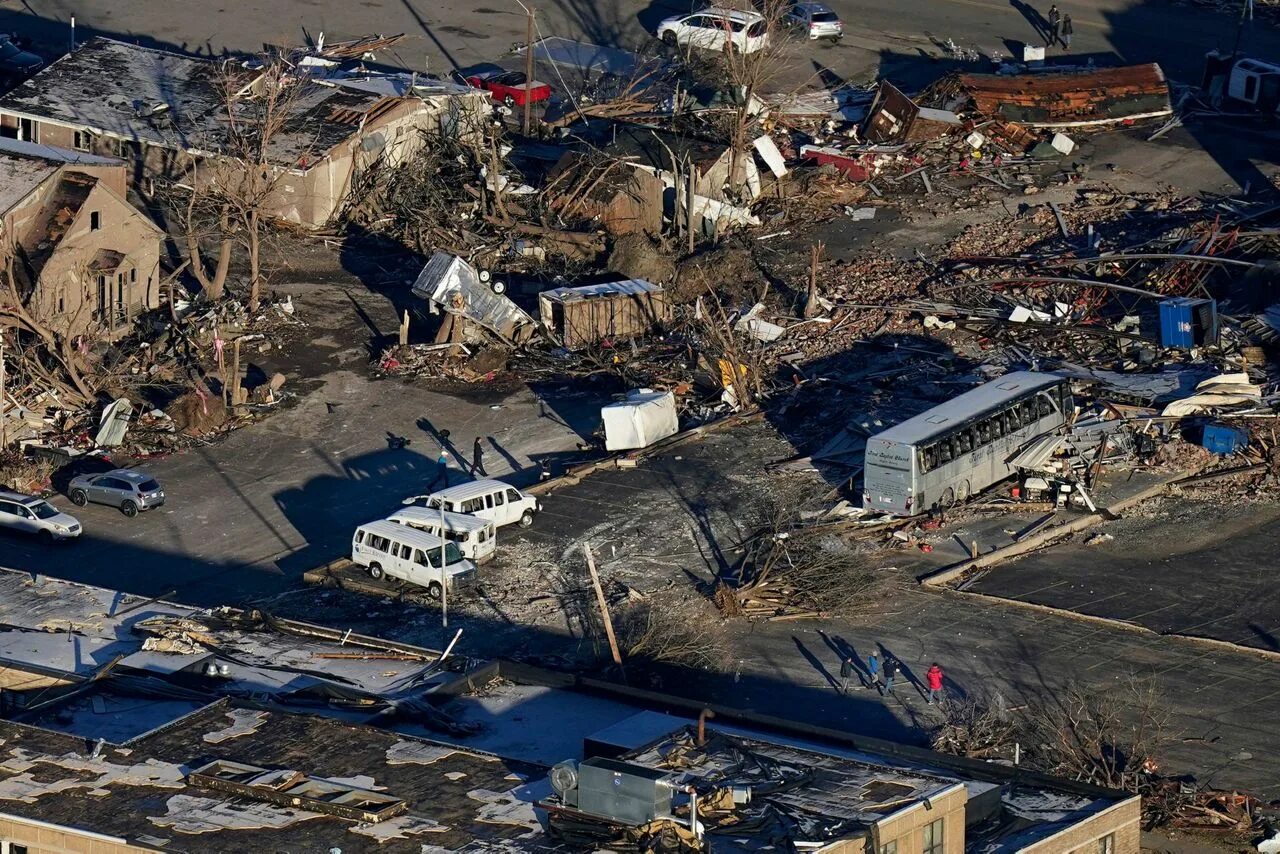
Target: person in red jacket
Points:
(933, 678)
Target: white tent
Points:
(640, 420)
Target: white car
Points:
(716, 29)
(32, 515)
(815, 20)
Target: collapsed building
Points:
(162, 112)
(133, 725)
(86, 260)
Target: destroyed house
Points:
(163, 111)
(86, 260)
(1088, 97)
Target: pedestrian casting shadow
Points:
(1033, 17)
(815, 662)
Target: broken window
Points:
(966, 442)
(1107, 844)
(944, 451)
(28, 130)
(82, 140)
(377, 543)
(984, 432)
(499, 499)
(1043, 405)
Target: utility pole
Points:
(604, 608)
(528, 68)
(444, 572)
(4, 421)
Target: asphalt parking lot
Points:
(245, 517)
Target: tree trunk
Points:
(255, 249)
(214, 286)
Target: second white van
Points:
(475, 537)
(398, 551)
(492, 500)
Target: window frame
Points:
(933, 837)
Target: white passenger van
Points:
(385, 548)
(491, 500)
(474, 536)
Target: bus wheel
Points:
(962, 491)
(948, 498)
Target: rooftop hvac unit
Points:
(622, 792)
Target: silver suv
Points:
(33, 515)
(130, 491)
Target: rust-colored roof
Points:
(1097, 96)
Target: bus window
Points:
(984, 432)
(997, 426)
(1028, 410)
(1013, 418)
(1043, 405)
(944, 451)
(928, 458)
(966, 441)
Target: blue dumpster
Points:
(1187, 322)
(1224, 439)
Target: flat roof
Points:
(145, 793)
(628, 287)
(960, 408)
(473, 488)
(452, 521)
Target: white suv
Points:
(714, 29)
(32, 515)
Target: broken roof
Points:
(1071, 99)
(227, 778)
(20, 176)
(26, 165)
(177, 101)
(125, 90)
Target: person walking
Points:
(1067, 30)
(873, 671)
(846, 674)
(933, 678)
(442, 471)
(477, 459)
(1055, 25)
(890, 673)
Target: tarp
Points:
(640, 420)
(1220, 392)
(455, 286)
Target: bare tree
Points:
(1109, 737)
(974, 727)
(49, 352)
(671, 629)
(228, 195)
(747, 74)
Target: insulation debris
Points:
(244, 721)
(195, 815)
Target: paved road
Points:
(881, 34)
(247, 516)
(1211, 696)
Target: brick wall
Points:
(1123, 820)
(41, 838)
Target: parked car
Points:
(398, 551)
(16, 63)
(32, 515)
(507, 87)
(492, 500)
(126, 489)
(716, 29)
(815, 20)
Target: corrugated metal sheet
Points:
(1071, 99)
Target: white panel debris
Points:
(243, 722)
(189, 814)
(24, 787)
(359, 781)
(417, 753)
(400, 827)
(511, 807)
